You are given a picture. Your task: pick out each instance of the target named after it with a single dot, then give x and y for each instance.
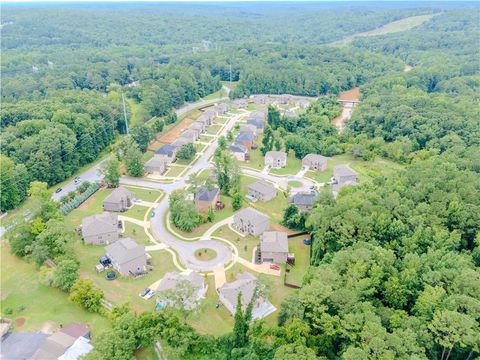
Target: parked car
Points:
(144, 292)
(58, 190)
(307, 241)
(76, 180)
(149, 294)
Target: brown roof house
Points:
(157, 165)
(245, 284)
(251, 221)
(127, 257)
(315, 162)
(173, 281)
(246, 139)
(262, 191)
(276, 159)
(240, 152)
(303, 200)
(100, 229)
(206, 198)
(119, 200)
(274, 247)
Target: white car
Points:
(149, 294)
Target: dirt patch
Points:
(352, 94)
(407, 68)
(173, 134)
(19, 322)
(49, 327)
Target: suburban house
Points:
(260, 99)
(157, 165)
(245, 284)
(100, 229)
(246, 139)
(262, 191)
(73, 339)
(285, 99)
(290, 114)
(174, 281)
(168, 150)
(259, 115)
(221, 109)
(206, 198)
(127, 257)
(315, 162)
(240, 152)
(240, 103)
(251, 221)
(119, 200)
(344, 175)
(303, 200)
(274, 247)
(259, 125)
(191, 135)
(199, 125)
(276, 159)
(249, 128)
(303, 103)
(210, 114)
(180, 142)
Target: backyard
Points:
(245, 245)
(302, 260)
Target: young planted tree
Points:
(111, 172)
(133, 161)
(142, 135)
(186, 152)
(85, 294)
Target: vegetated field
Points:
(135, 232)
(367, 170)
(174, 171)
(293, 166)
(123, 289)
(302, 260)
(36, 303)
(217, 94)
(144, 194)
(206, 139)
(137, 112)
(136, 212)
(244, 244)
(392, 27)
(256, 161)
(200, 147)
(273, 208)
(213, 129)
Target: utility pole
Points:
(230, 74)
(125, 113)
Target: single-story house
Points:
(303, 200)
(259, 125)
(303, 103)
(168, 150)
(249, 128)
(245, 284)
(262, 191)
(119, 200)
(100, 229)
(127, 257)
(206, 198)
(246, 139)
(276, 159)
(274, 247)
(240, 152)
(315, 162)
(221, 109)
(176, 281)
(290, 114)
(240, 103)
(251, 221)
(157, 165)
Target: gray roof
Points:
(248, 128)
(157, 160)
(119, 194)
(21, 345)
(103, 223)
(171, 279)
(260, 115)
(245, 284)
(343, 170)
(316, 158)
(167, 149)
(198, 125)
(238, 148)
(302, 198)
(182, 141)
(262, 187)
(125, 250)
(245, 136)
(274, 241)
(54, 346)
(221, 107)
(210, 113)
(259, 124)
(252, 215)
(204, 194)
(276, 155)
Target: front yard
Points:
(213, 129)
(245, 245)
(293, 166)
(136, 212)
(174, 171)
(135, 232)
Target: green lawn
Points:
(293, 166)
(213, 129)
(295, 184)
(217, 94)
(147, 156)
(93, 205)
(252, 107)
(199, 147)
(138, 114)
(206, 139)
(37, 303)
(367, 170)
(257, 160)
(221, 120)
(145, 194)
(136, 232)
(137, 212)
(273, 208)
(123, 289)
(244, 245)
(302, 260)
(175, 170)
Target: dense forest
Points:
(395, 262)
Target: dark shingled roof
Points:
(305, 199)
(244, 136)
(204, 194)
(167, 149)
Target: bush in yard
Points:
(85, 294)
(65, 274)
(133, 161)
(183, 213)
(237, 201)
(83, 187)
(79, 199)
(186, 152)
